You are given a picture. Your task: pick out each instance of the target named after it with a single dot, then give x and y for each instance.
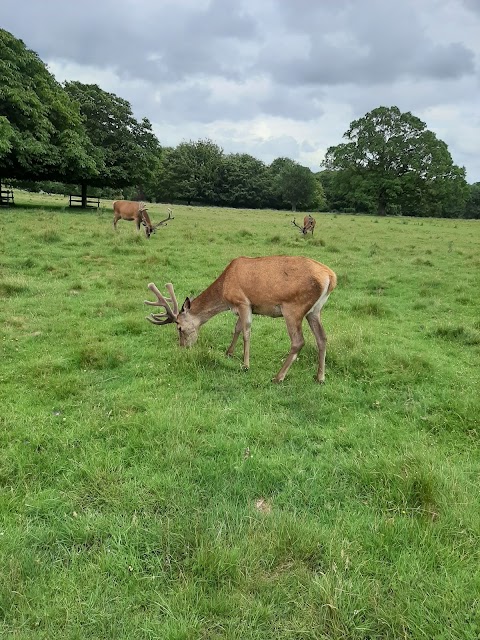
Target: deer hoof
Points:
(318, 380)
(245, 368)
(276, 380)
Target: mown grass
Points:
(151, 492)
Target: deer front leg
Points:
(294, 328)
(243, 325)
(236, 332)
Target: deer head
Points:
(145, 219)
(187, 325)
(148, 229)
(149, 226)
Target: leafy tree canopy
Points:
(41, 131)
(398, 156)
(244, 181)
(472, 209)
(296, 184)
(190, 172)
(126, 151)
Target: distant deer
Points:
(292, 287)
(128, 210)
(309, 223)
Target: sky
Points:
(272, 78)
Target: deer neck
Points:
(209, 302)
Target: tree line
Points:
(61, 138)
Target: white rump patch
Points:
(317, 307)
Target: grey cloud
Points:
(159, 42)
(308, 146)
(361, 46)
(448, 61)
(298, 104)
(267, 150)
(224, 19)
(472, 5)
(197, 103)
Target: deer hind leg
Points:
(318, 331)
(294, 328)
(115, 220)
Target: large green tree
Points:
(296, 184)
(244, 182)
(41, 130)
(318, 201)
(472, 208)
(127, 151)
(190, 172)
(397, 159)
(347, 191)
(276, 196)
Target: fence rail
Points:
(6, 198)
(92, 201)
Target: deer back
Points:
(276, 280)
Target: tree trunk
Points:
(84, 195)
(382, 204)
(294, 206)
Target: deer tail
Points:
(333, 282)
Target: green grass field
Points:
(152, 492)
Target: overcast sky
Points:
(269, 77)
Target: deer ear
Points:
(186, 305)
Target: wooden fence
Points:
(6, 198)
(92, 202)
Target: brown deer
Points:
(309, 223)
(137, 211)
(290, 286)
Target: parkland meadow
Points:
(152, 492)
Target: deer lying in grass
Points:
(137, 211)
(292, 287)
(309, 223)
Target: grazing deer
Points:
(127, 210)
(292, 287)
(309, 223)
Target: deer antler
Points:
(170, 314)
(297, 225)
(164, 222)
